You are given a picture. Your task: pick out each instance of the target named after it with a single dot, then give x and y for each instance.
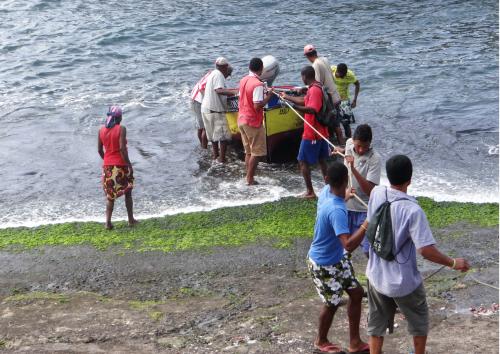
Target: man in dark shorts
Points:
(398, 282)
(330, 266)
(313, 148)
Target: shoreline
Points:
(277, 222)
(206, 208)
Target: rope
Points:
(434, 273)
(325, 139)
(483, 283)
(473, 278)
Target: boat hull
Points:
(283, 132)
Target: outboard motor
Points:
(271, 69)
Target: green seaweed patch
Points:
(442, 214)
(143, 305)
(37, 296)
(277, 223)
(155, 315)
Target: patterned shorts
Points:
(116, 181)
(331, 281)
(346, 115)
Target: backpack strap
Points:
(409, 238)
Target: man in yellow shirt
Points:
(343, 77)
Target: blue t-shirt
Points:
(331, 221)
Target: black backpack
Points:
(327, 116)
(380, 234)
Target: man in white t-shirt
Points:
(213, 109)
(365, 167)
(324, 77)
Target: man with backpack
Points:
(313, 148)
(398, 228)
(324, 76)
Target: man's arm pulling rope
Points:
(322, 137)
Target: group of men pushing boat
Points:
(209, 96)
(341, 220)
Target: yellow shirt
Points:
(343, 83)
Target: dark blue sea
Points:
(429, 88)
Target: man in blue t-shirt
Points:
(331, 267)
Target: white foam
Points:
(492, 149)
(236, 193)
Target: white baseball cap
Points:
(221, 61)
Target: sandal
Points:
(365, 349)
(328, 348)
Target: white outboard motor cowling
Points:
(271, 69)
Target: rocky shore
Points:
(232, 280)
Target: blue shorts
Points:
(355, 219)
(311, 151)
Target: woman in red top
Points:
(118, 175)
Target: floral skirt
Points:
(116, 181)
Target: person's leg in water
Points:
(215, 150)
(306, 173)
(347, 129)
(109, 212)
(200, 132)
(324, 168)
(354, 315)
(223, 149)
(129, 204)
(253, 161)
(202, 137)
(338, 133)
(247, 161)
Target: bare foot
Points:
(109, 226)
(361, 347)
(252, 183)
(133, 223)
(308, 195)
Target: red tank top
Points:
(110, 138)
(247, 114)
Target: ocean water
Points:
(429, 88)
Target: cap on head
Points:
(221, 61)
(309, 48)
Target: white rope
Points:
(483, 283)
(325, 139)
